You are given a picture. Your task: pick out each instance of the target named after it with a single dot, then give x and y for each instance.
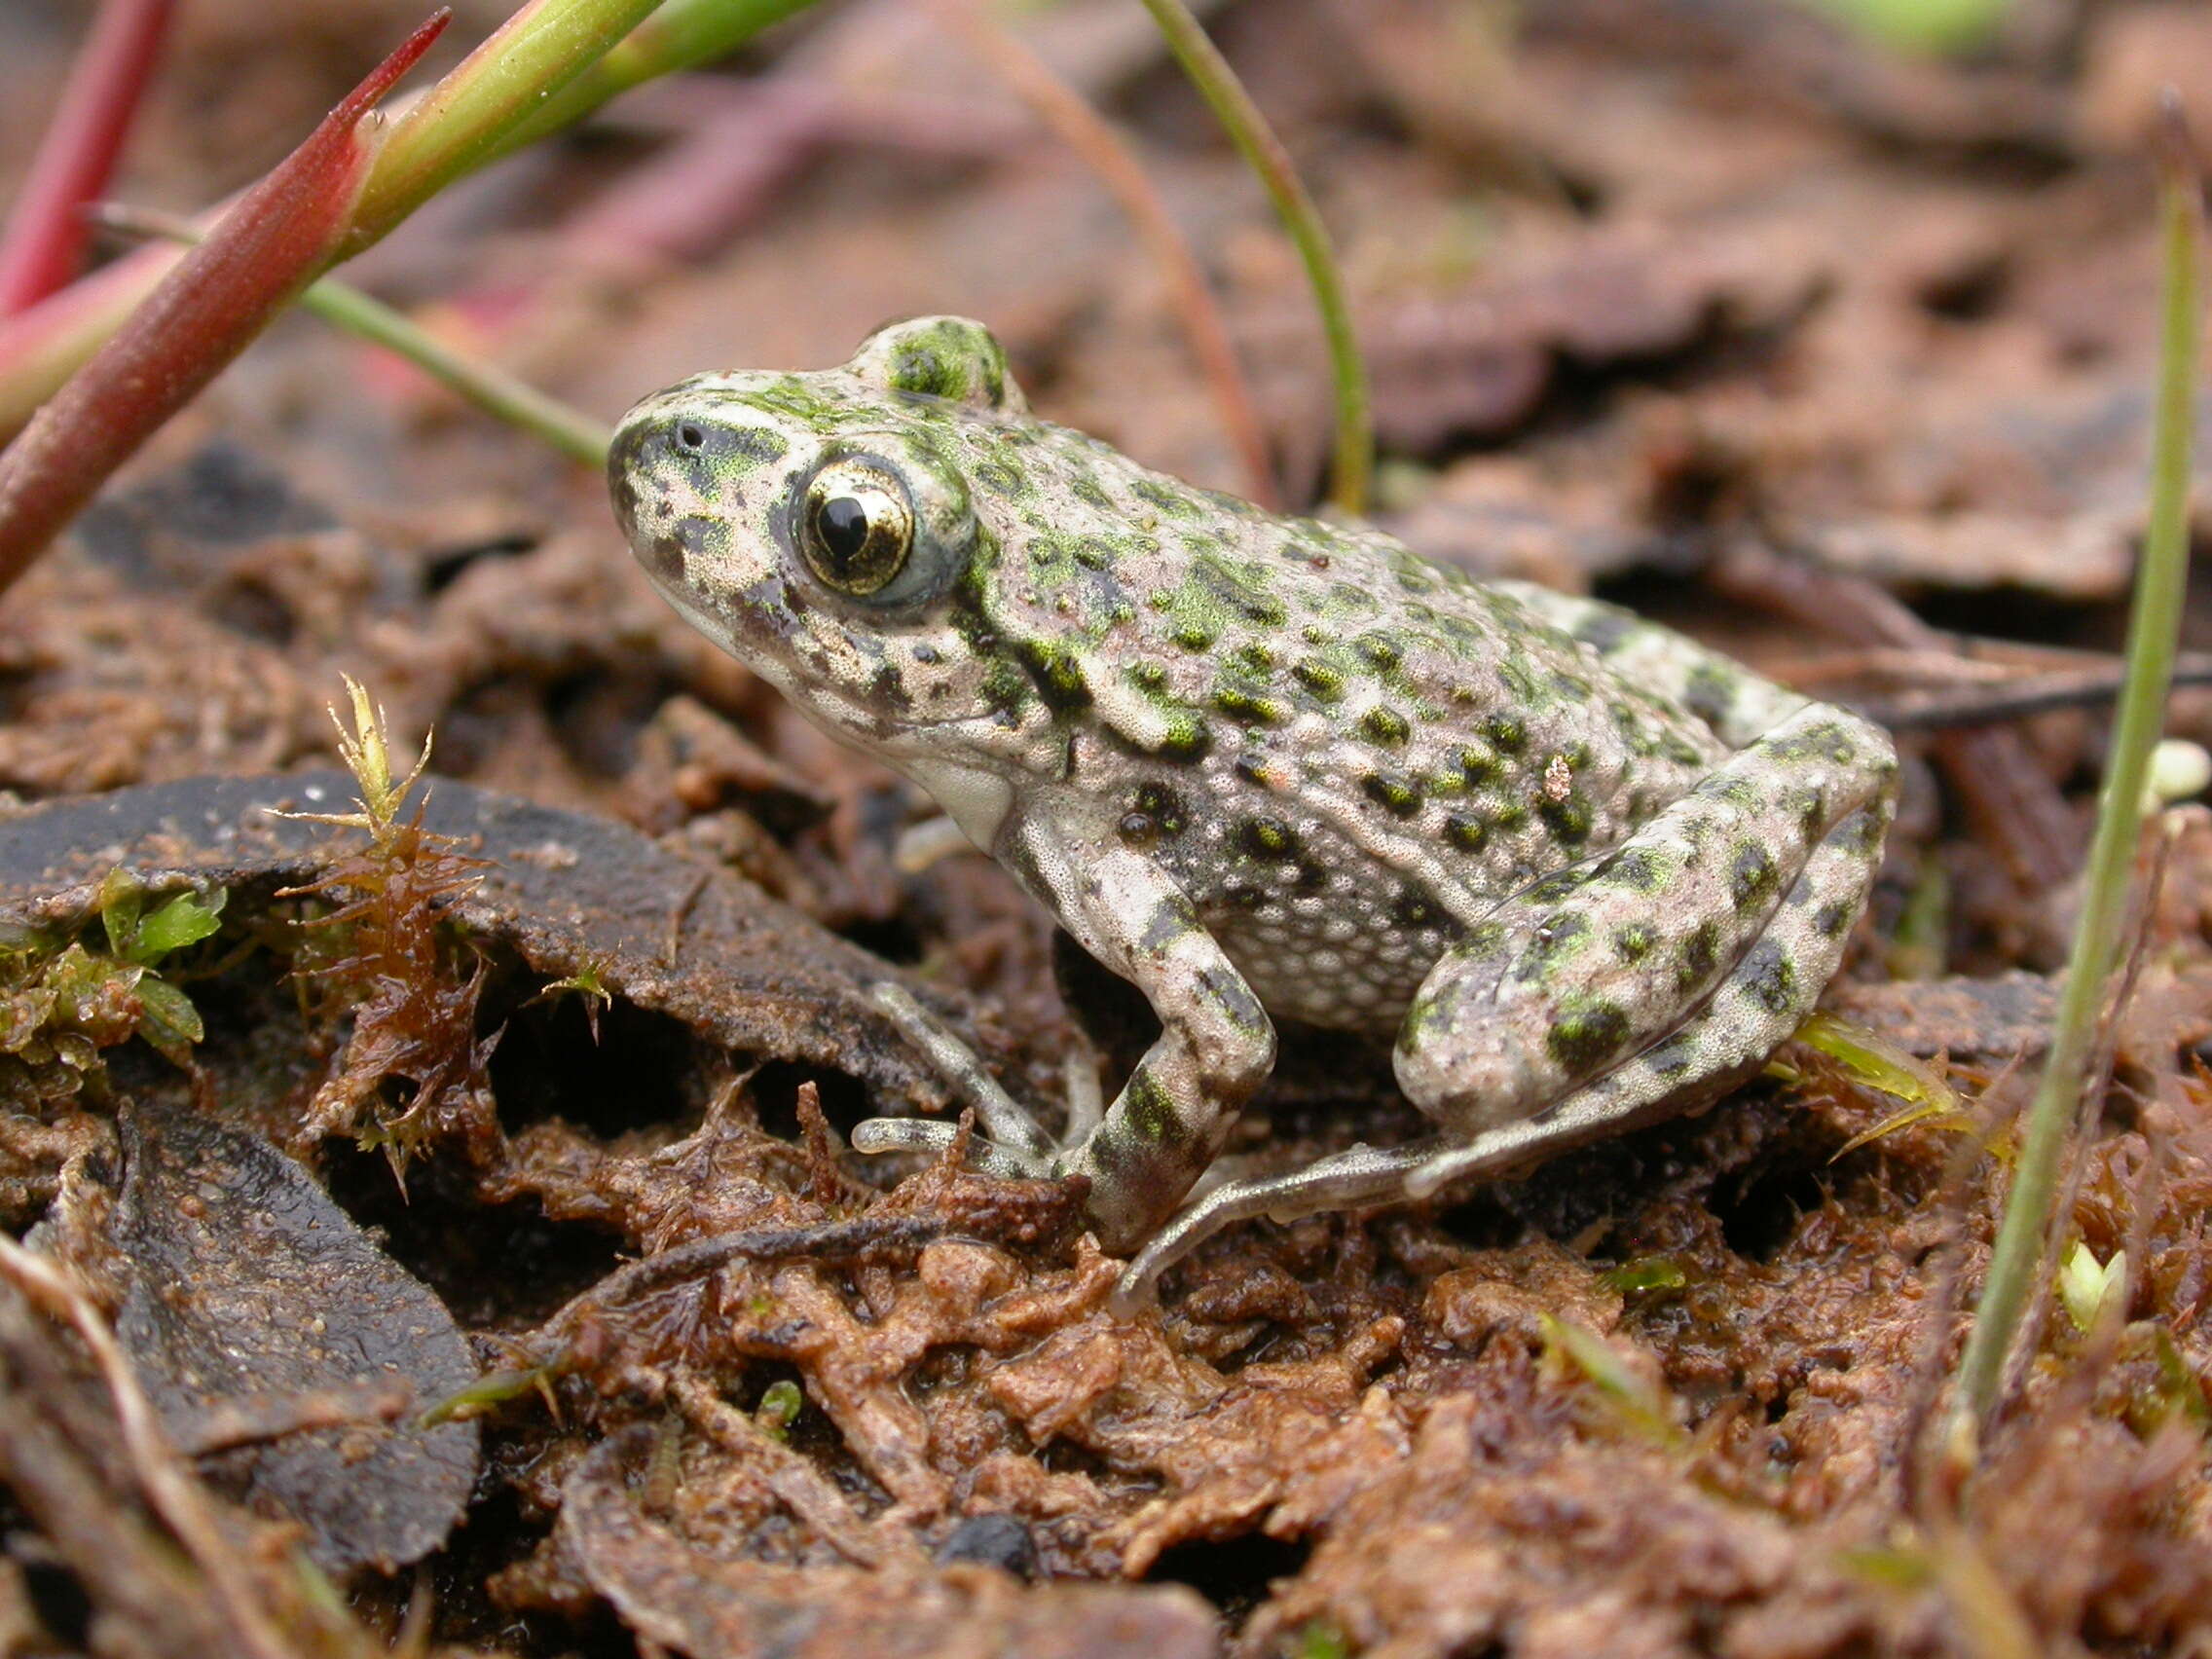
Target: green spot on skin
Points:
(1506, 734)
(1394, 794)
(1381, 652)
(1004, 689)
(1709, 694)
(1634, 867)
(1557, 938)
(1173, 503)
(1750, 876)
(1240, 703)
(1698, 957)
(790, 394)
(1267, 838)
(1057, 672)
(1385, 725)
(1569, 820)
(999, 478)
(1634, 943)
(1318, 678)
(1149, 1108)
(1233, 1000)
(1769, 978)
(1186, 739)
(1194, 637)
(1673, 1057)
(1586, 1038)
(751, 448)
(1172, 919)
(1465, 832)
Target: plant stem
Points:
(2153, 623)
(681, 34)
(43, 247)
(1263, 151)
(1092, 136)
(503, 396)
(459, 123)
(491, 388)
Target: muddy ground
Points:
(1837, 357)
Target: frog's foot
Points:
(1358, 1175)
(1622, 1099)
(1012, 1143)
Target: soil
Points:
(1837, 356)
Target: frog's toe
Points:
(1012, 1143)
(877, 1135)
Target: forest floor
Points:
(1836, 359)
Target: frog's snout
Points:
(629, 458)
(636, 484)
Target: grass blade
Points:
(2153, 629)
(1233, 106)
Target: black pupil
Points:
(844, 526)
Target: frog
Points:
(1582, 870)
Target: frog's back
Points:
(1345, 752)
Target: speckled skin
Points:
(1265, 766)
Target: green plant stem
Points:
(1263, 151)
(492, 389)
(681, 34)
(2153, 623)
(461, 121)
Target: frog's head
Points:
(819, 526)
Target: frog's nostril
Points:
(691, 436)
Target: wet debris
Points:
(247, 1298)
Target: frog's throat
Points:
(978, 801)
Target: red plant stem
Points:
(43, 247)
(276, 240)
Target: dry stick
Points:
(43, 246)
(175, 1496)
(1095, 139)
(2154, 624)
(1262, 152)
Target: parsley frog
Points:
(1585, 870)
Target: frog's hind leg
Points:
(1345, 1180)
(1738, 705)
(1737, 896)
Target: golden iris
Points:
(857, 526)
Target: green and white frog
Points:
(1585, 870)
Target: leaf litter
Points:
(1687, 282)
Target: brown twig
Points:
(1082, 130)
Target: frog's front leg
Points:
(1216, 1043)
(1690, 950)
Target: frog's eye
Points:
(855, 525)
